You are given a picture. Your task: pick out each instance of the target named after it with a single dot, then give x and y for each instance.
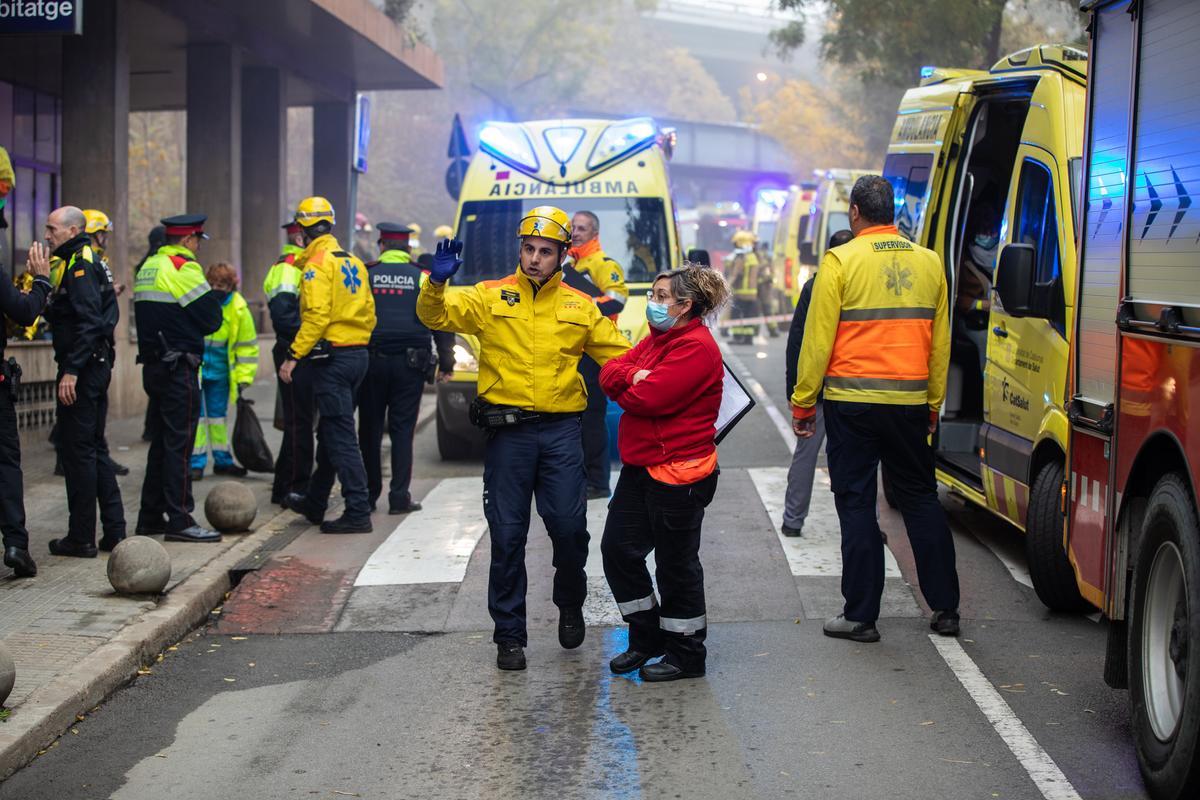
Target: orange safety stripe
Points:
(506, 281)
(680, 473)
(894, 349)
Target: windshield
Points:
(837, 221)
(633, 232)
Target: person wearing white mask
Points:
(973, 296)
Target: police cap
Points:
(185, 225)
(291, 226)
(394, 232)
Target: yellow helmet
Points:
(547, 222)
(313, 210)
(96, 221)
(744, 238)
(415, 228)
(442, 232)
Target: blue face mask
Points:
(657, 316)
(987, 242)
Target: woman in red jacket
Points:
(669, 387)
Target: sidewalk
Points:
(74, 640)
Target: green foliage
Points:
(887, 41)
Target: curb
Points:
(53, 708)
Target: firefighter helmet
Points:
(96, 221)
(443, 232)
(547, 222)
(313, 210)
(744, 238)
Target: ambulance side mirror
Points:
(1014, 279)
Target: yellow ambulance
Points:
(986, 168)
(616, 169)
(829, 212)
(791, 229)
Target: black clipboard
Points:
(736, 402)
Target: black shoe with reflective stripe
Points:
(510, 656)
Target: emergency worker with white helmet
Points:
(532, 330)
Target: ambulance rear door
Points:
(925, 147)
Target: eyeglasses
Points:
(666, 298)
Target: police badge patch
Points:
(510, 296)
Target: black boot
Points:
(20, 561)
(346, 524)
(629, 661)
(68, 547)
(234, 470)
(510, 656)
(193, 534)
(299, 504)
(571, 628)
(662, 671)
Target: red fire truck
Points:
(1132, 535)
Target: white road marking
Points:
(1046, 775)
(819, 550)
(782, 426)
(435, 544)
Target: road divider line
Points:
(433, 545)
(782, 426)
(1046, 775)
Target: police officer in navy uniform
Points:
(22, 308)
(174, 308)
(401, 363)
(83, 315)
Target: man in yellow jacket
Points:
(229, 366)
(532, 330)
(337, 316)
(877, 338)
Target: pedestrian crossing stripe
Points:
(819, 550)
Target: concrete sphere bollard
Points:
(8, 674)
(139, 565)
(230, 507)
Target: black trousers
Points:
(174, 393)
(336, 380)
(12, 491)
(859, 436)
(595, 427)
(392, 389)
(294, 466)
(646, 515)
(86, 465)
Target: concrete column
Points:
(264, 175)
(333, 149)
(95, 157)
(214, 147)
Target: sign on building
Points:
(362, 132)
(41, 16)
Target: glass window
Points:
(909, 175)
(1037, 223)
(837, 221)
(633, 232)
(22, 201)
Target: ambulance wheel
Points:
(1164, 675)
(1051, 570)
(452, 447)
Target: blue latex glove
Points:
(446, 260)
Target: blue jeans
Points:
(542, 459)
(335, 383)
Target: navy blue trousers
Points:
(542, 460)
(335, 383)
(393, 391)
(860, 435)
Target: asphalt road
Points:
(361, 705)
